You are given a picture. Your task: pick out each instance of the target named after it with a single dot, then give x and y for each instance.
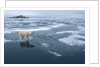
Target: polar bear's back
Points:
(22, 32)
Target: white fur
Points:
(24, 35)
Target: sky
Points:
(76, 13)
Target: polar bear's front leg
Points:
(26, 37)
(21, 37)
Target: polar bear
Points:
(24, 35)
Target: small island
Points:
(20, 16)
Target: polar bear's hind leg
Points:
(21, 36)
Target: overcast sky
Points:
(45, 12)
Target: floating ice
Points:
(5, 40)
(55, 53)
(7, 31)
(38, 29)
(62, 32)
(34, 29)
(45, 45)
(30, 38)
(18, 29)
(73, 40)
(58, 25)
(81, 30)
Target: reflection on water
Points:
(25, 44)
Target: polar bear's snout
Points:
(24, 35)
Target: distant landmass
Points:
(20, 16)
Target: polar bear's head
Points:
(30, 33)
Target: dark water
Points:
(56, 41)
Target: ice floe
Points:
(73, 40)
(5, 40)
(62, 32)
(45, 45)
(55, 53)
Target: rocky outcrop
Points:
(20, 16)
